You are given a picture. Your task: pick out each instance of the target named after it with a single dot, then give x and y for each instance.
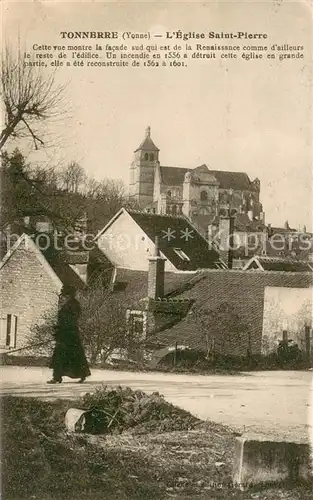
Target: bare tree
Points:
(29, 98)
(103, 322)
(73, 177)
(219, 329)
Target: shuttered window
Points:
(8, 331)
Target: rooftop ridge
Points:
(152, 214)
(287, 259)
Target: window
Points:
(181, 254)
(169, 194)
(8, 331)
(174, 209)
(203, 196)
(146, 156)
(137, 325)
(151, 157)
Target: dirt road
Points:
(271, 403)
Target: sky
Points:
(234, 115)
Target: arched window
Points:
(169, 194)
(203, 196)
(146, 156)
(151, 157)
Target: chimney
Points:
(26, 220)
(156, 274)
(262, 217)
(250, 215)
(226, 229)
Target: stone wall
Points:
(28, 291)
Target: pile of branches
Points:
(122, 409)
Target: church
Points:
(201, 194)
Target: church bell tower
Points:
(142, 171)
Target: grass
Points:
(41, 461)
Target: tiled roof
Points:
(287, 246)
(232, 180)
(242, 222)
(173, 176)
(130, 288)
(147, 145)
(241, 291)
(98, 257)
(172, 281)
(62, 269)
(195, 247)
(280, 264)
(51, 256)
(307, 253)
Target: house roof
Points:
(130, 289)
(287, 246)
(241, 291)
(52, 261)
(267, 263)
(176, 232)
(26, 242)
(173, 176)
(307, 253)
(137, 281)
(63, 269)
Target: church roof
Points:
(173, 176)
(232, 180)
(147, 144)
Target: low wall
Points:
(259, 460)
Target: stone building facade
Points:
(29, 293)
(30, 285)
(201, 194)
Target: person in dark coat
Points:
(68, 358)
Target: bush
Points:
(197, 361)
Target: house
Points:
(287, 242)
(229, 312)
(128, 240)
(31, 281)
(266, 263)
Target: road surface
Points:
(270, 403)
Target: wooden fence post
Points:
(307, 330)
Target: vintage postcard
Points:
(156, 250)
